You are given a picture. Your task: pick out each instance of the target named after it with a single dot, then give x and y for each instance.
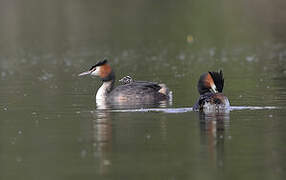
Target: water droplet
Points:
(212, 52)
(37, 122)
(19, 159)
(20, 132)
(220, 163)
(106, 162)
(45, 76)
(148, 136)
(67, 62)
(3, 74)
(79, 140)
(190, 39)
(250, 58)
(182, 56)
(23, 60)
(270, 115)
(83, 153)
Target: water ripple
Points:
(188, 109)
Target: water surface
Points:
(52, 128)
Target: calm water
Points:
(51, 127)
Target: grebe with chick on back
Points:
(210, 86)
(133, 91)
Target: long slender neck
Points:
(106, 87)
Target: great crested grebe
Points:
(141, 91)
(210, 86)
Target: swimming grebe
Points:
(134, 91)
(210, 86)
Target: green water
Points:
(51, 127)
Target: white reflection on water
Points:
(102, 136)
(188, 109)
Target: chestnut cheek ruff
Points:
(201, 84)
(209, 81)
(106, 73)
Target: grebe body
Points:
(133, 91)
(210, 86)
(137, 92)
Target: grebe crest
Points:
(211, 82)
(210, 87)
(131, 91)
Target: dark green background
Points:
(50, 127)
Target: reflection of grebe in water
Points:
(130, 92)
(210, 86)
(214, 128)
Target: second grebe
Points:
(141, 91)
(210, 86)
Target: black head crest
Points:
(99, 63)
(218, 80)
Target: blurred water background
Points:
(51, 127)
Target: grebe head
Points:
(211, 82)
(126, 80)
(101, 69)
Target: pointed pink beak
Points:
(84, 73)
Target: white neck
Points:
(103, 90)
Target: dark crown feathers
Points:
(99, 63)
